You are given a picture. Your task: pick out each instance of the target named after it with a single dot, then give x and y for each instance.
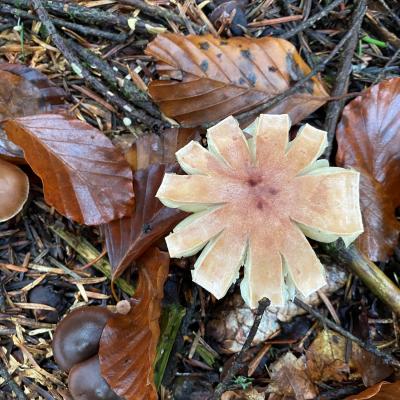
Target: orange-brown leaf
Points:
(206, 79)
(128, 342)
(128, 238)
(153, 148)
(368, 138)
(380, 391)
(84, 176)
(24, 91)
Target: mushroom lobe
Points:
(77, 336)
(14, 190)
(85, 382)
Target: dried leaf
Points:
(205, 79)
(289, 378)
(368, 138)
(160, 149)
(84, 176)
(128, 238)
(239, 187)
(25, 91)
(326, 360)
(381, 391)
(128, 343)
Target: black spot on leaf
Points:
(204, 65)
(204, 45)
(246, 54)
(272, 68)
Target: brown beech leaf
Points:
(128, 342)
(380, 391)
(84, 176)
(128, 238)
(368, 138)
(25, 91)
(204, 79)
(153, 148)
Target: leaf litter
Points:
(32, 255)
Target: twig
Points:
(274, 101)
(160, 12)
(335, 108)
(312, 20)
(10, 383)
(390, 11)
(93, 16)
(367, 271)
(85, 30)
(386, 357)
(79, 69)
(129, 90)
(237, 363)
(387, 65)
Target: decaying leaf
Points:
(289, 378)
(84, 176)
(249, 394)
(249, 193)
(326, 360)
(14, 190)
(368, 138)
(204, 79)
(381, 391)
(25, 91)
(128, 238)
(128, 343)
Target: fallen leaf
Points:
(159, 149)
(84, 176)
(204, 79)
(128, 342)
(381, 391)
(238, 187)
(25, 91)
(326, 360)
(289, 378)
(249, 394)
(128, 238)
(368, 137)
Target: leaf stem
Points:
(368, 272)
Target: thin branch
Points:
(386, 357)
(79, 69)
(335, 108)
(312, 20)
(237, 363)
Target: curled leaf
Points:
(254, 201)
(84, 176)
(25, 91)
(368, 137)
(128, 238)
(128, 342)
(205, 79)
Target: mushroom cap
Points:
(14, 190)
(85, 382)
(77, 336)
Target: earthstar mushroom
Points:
(14, 190)
(254, 202)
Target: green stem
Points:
(170, 322)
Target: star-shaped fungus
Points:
(254, 201)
